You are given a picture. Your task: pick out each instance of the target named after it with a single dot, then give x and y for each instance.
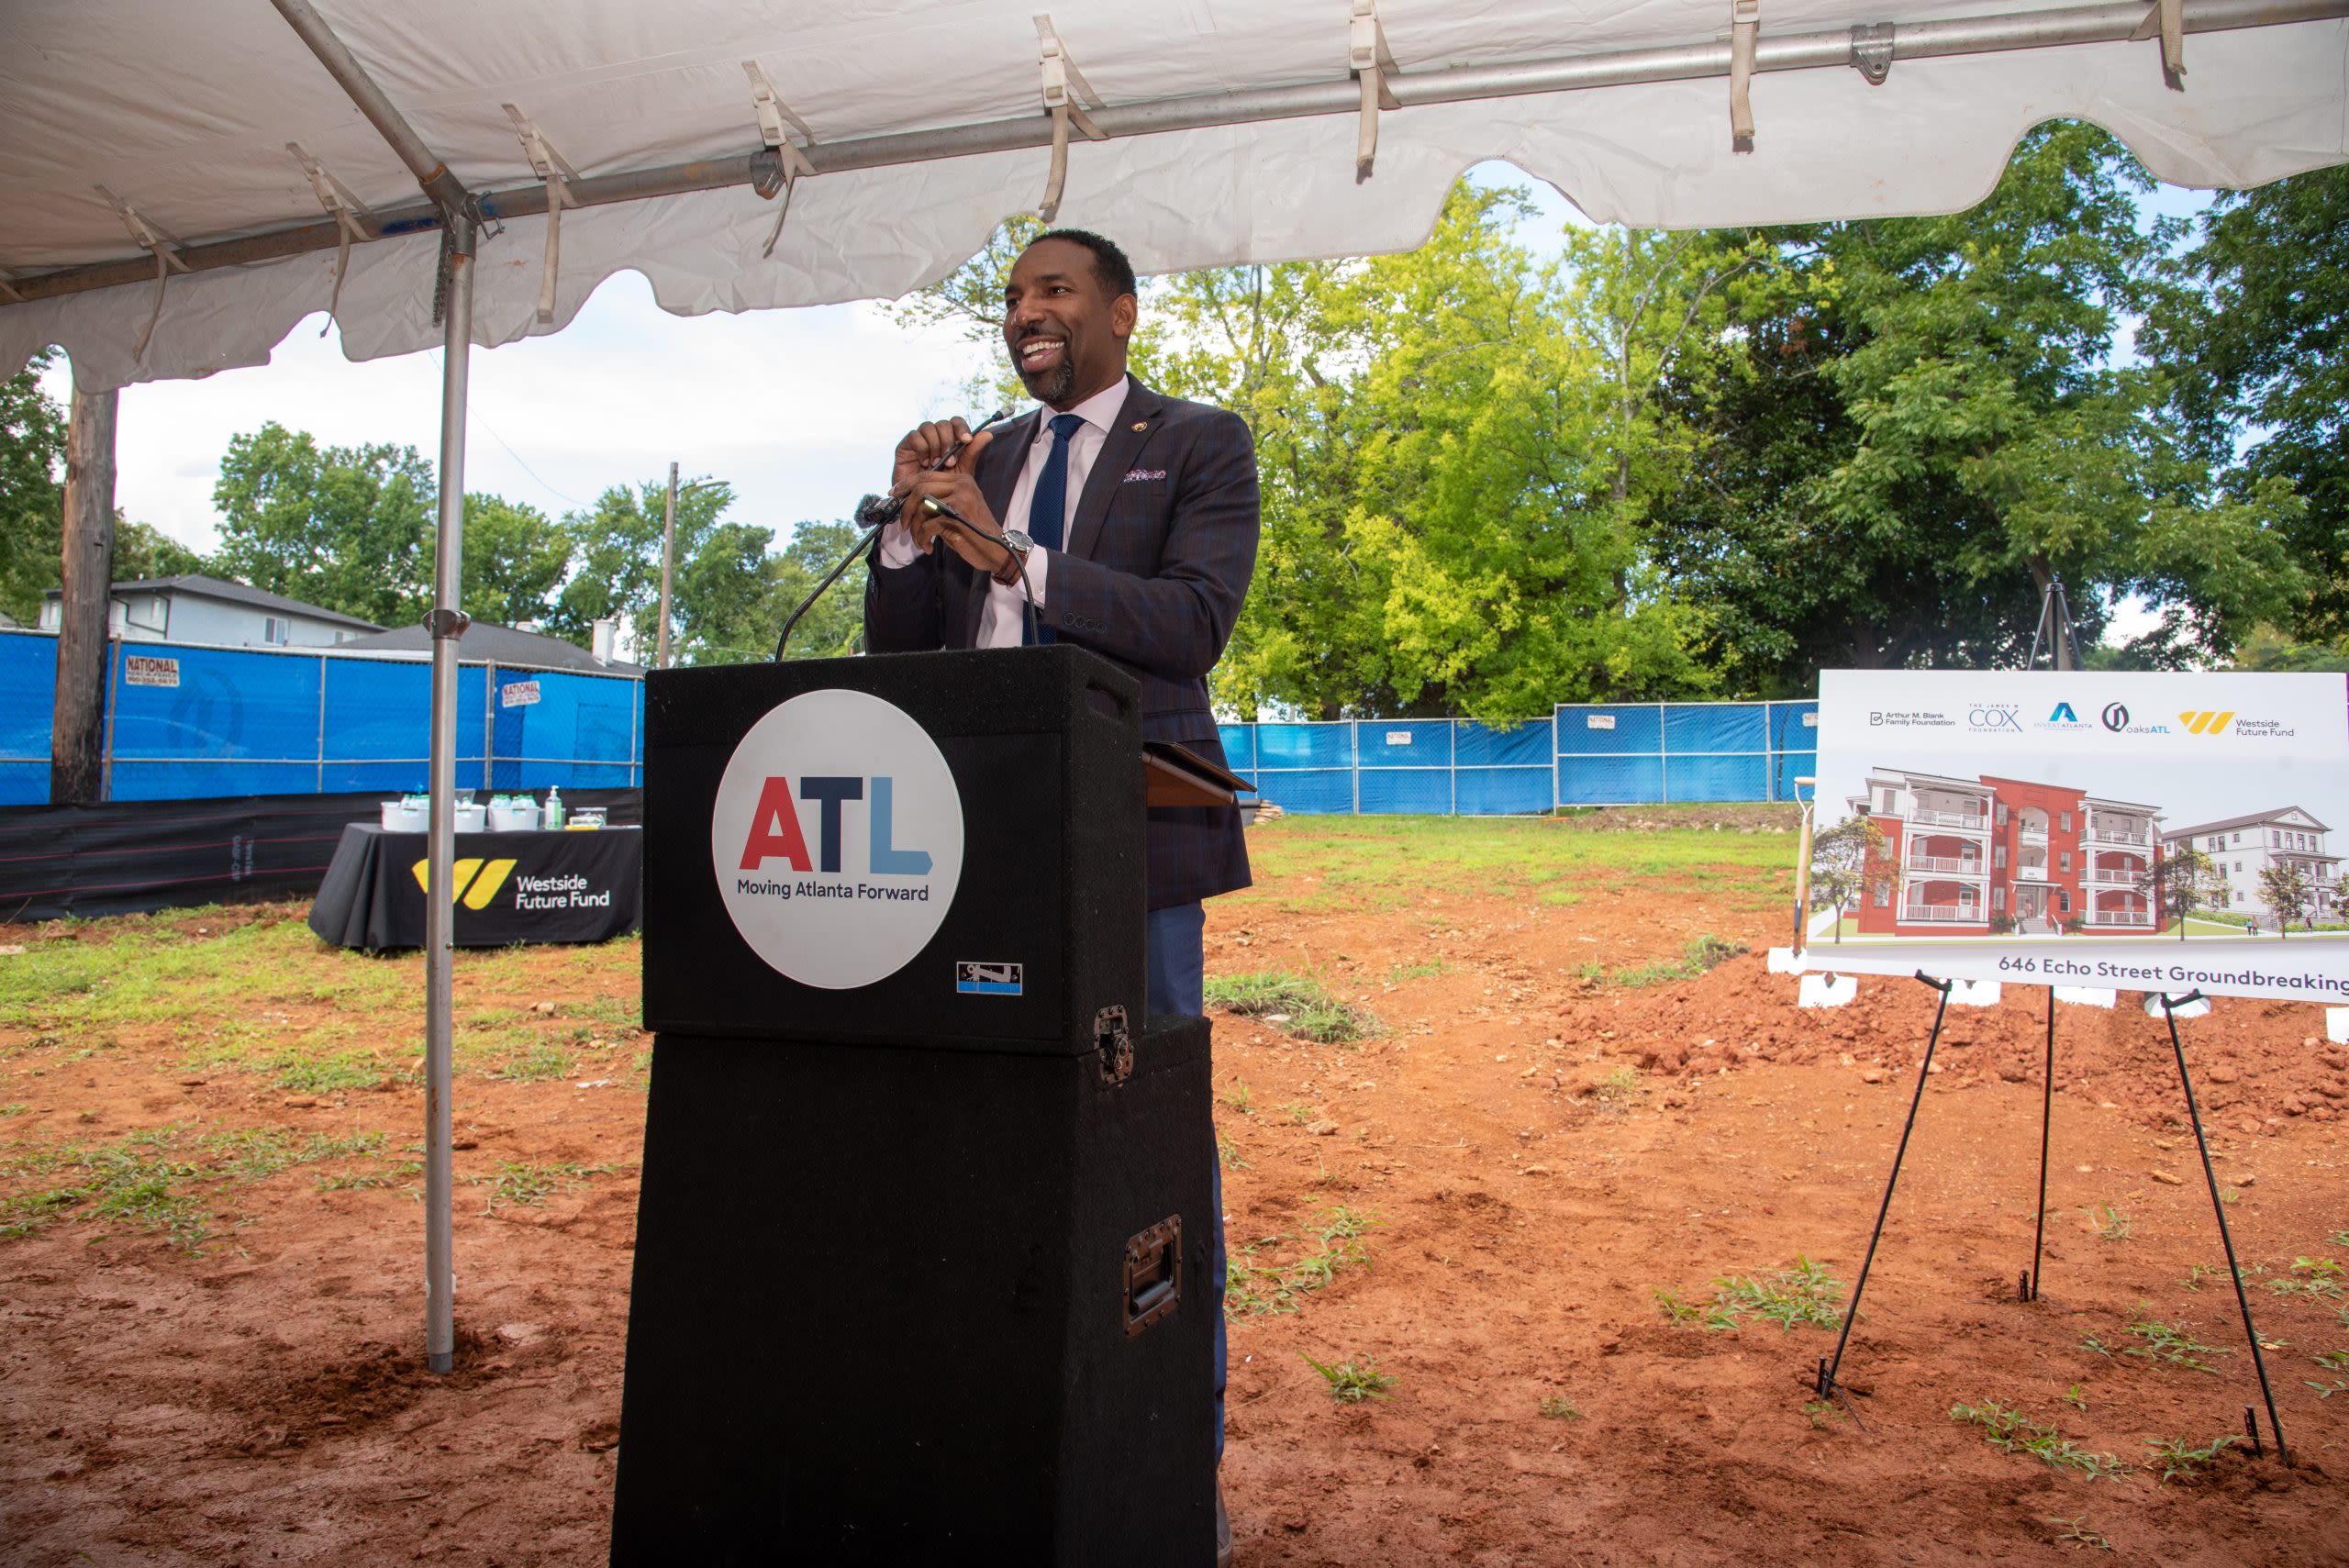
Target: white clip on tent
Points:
(180, 184)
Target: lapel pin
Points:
(1141, 424)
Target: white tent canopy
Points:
(154, 134)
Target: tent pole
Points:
(447, 624)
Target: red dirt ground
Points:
(262, 1402)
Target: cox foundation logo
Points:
(473, 883)
(837, 838)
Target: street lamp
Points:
(669, 559)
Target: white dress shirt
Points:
(1002, 620)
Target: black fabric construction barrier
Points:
(564, 886)
(131, 857)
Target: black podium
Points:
(921, 1266)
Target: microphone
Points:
(872, 513)
(933, 504)
(875, 510)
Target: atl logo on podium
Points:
(776, 827)
(836, 839)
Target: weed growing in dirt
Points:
(2315, 1277)
(151, 1180)
(2010, 1431)
(2112, 1226)
(1821, 1412)
(2182, 1462)
(1315, 1256)
(1240, 1097)
(1554, 1408)
(1804, 1294)
(543, 1063)
(527, 1186)
(1301, 1003)
(1622, 1084)
(2169, 1343)
(2076, 1532)
(1703, 953)
(2076, 1397)
(322, 1075)
(1350, 1382)
(2333, 1361)
(1297, 1112)
(1228, 1152)
(14, 1109)
(1426, 970)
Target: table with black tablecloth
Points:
(578, 885)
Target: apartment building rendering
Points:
(2243, 847)
(1969, 856)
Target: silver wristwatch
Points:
(1016, 564)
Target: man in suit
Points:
(1129, 520)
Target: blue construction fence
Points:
(1583, 755)
(187, 722)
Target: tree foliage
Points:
(349, 528)
(2258, 353)
(32, 468)
(1930, 421)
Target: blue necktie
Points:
(1048, 509)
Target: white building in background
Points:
(2243, 846)
(194, 608)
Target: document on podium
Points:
(1178, 776)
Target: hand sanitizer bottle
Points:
(553, 819)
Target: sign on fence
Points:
(148, 670)
(517, 694)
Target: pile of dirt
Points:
(2254, 1063)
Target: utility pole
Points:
(668, 565)
(77, 728)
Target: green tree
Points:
(2285, 888)
(2259, 354)
(2182, 880)
(142, 553)
(616, 563)
(1844, 860)
(1930, 423)
(32, 507)
(1446, 528)
(514, 558)
(833, 626)
(349, 528)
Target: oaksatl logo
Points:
(471, 883)
(837, 838)
(2209, 722)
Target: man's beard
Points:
(1052, 386)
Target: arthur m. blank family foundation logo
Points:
(837, 838)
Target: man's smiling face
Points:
(1066, 333)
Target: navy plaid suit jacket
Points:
(1159, 550)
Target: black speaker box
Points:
(1045, 747)
(903, 1304)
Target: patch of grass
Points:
(2314, 1277)
(2333, 1361)
(1294, 1264)
(542, 1062)
(1821, 1411)
(14, 1109)
(1618, 1085)
(1299, 1004)
(1804, 1294)
(154, 1180)
(318, 1076)
(2010, 1431)
(2169, 1343)
(1353, 1382)
(2180, 1461)
(2114, 1226)
(1703, 953)
(1241, 1098)
(1427, 969)
(1553, 1408)
(525, 1185)
(1297, 1112)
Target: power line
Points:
(472, 412)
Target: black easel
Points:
(1828, 1384)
